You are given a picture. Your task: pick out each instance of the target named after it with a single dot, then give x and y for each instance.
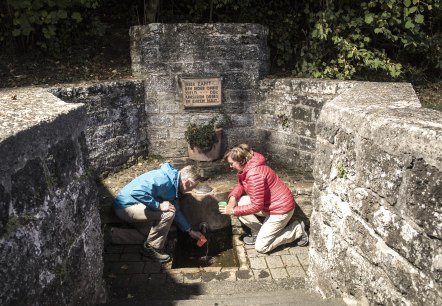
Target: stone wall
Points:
(376, 225)
(164, 53)
(116, 132)
(285, 120)
(50, 238)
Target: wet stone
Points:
(203, 189)
(262, 274)
(227, 276)
(208, 277)
(244, 274)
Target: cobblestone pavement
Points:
(127, 273)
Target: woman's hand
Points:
(167, 206)
(228, 210)
(232, 202)
(225, 210)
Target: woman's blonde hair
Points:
(240, 153)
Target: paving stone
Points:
(244, 275)
(177, 278)
(227, 276)
(262, 274)
(139, 280)
(258, 263)
(241, 255)
(151, 267)
(111, 257)
(132, 248)
(290, 260)
(254, 253)
(278, 273)
(114, 249)
(207, 277)
(296, 272)
(303, 258)
(127, 267)
(248, 246)
(131, 257)
(191, 278)
(280, 251)
(229, 269)
(157, 278)
(236, 240)
(274, 262)
(120, 281)
(298, 250)
(210, 269)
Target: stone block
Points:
(302, 113)
(380, 171)
(421, 196)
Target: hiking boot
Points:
(303, 241)
(155, 254)
(249, 240)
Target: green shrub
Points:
(48, 24)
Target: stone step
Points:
(279, 292)
(282, 297)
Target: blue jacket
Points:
(152, 188)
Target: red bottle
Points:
(201, 241)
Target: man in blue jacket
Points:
(150, 203)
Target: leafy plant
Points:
(341, 170)
(377, 38)
(204, 136)
(48, 24)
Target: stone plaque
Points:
(201, 92)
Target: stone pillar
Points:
(164, 53)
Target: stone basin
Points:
(201, 207)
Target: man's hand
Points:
(195, 234)
(167, 206)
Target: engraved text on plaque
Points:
(201, 92)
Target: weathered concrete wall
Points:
(376, 225)
(164, 53)
(116, 132)
(286, 114)
(50, 238)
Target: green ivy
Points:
(381, 37)
(44, 23)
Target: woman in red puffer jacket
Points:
(260, 192)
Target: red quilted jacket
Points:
(266, 190)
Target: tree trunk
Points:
(150, 11)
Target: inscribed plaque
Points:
(201, 92)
